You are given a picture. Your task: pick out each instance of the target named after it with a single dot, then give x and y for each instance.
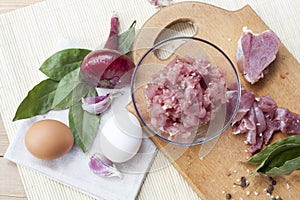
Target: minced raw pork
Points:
(184, 95)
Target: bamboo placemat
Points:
(29, 35)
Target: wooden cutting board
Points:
(210, 177)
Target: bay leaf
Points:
(63, 62)
(278, 157)
(83, 124)
(261, 156)
(70, 89)
(126, 39)
(38, 100)
(286, 169)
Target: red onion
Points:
(108, 67)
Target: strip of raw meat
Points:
(288, 121)
(261, 119)
(247, 100)
(257, 146)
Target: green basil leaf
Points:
(38, 100)
(261, 156)
(286, 169)
(71, 89)
(83, 125)
(126, 39)
(278, 157)
(63, 62)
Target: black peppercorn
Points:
(228, 196)
(274, 182)
(243, 178)
(270, 189)
(243, 182)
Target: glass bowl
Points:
(179, 90)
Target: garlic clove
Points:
(100, 165)
(99, 104)
(93, 100)
(160, 3)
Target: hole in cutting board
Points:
(178, 28)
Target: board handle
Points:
(201, 15)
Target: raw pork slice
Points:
(255, 53)
(259, 118)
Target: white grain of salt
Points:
(288, 186)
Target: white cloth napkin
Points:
(72, 169)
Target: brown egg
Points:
(49, 139)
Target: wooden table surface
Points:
(11, 186)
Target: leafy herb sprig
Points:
(64, 89)
(279, 158)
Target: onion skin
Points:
(107, 68)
